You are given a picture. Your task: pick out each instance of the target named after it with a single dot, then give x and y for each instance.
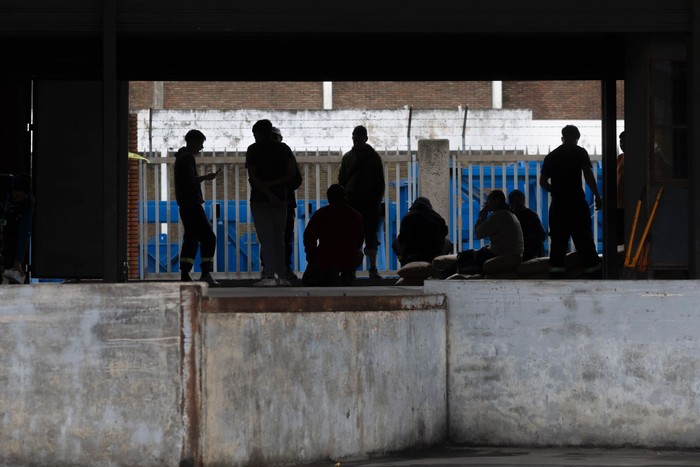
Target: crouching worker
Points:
(333, 241)
(422, 234)
(503, 230)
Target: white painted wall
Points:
(388, 129)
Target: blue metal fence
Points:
(238, 250)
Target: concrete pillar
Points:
(434, 173)
(158, 92)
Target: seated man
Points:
(534, 234)
(502, 229)
(333, 241)
(422, 234)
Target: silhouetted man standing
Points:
(362, 175)
(270, 167)
(569, 213)
(188, 193)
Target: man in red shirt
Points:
(333, 240)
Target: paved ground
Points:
(507, 457)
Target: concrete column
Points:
(158, 95)
(434, 173)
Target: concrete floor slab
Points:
(507, 457)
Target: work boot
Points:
(347, 277)
(290, 276)
(372, 258)
(209, 279)
(185, 276)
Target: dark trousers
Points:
(289, 235)
(331, 277)
(288, 238)
(371, 217)
(571, 220)
(198, 234)
(620, 226)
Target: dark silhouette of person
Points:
(497, 223)
(333, 241)
(291, 211)
(270, 166)
(188, 193)
(362, 175)
(534, 233)
(16, 215)
(569, 213)
(423, 234)
(621, 192)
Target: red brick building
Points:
(575, 100)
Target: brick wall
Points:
(140, 94)
(389, 95)
(576, 100)
(188, 95)
(557, 100)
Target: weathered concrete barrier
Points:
(171, 374)
(300, 379)
(93, 375)
(153, 374)
(601, 363)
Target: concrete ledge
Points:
(573, 363)
(314, 300)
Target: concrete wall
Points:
(318, 379)
(168, 374)
(573, 362)
(91, 375)
(164, 130)
(134, 374)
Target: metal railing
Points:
(474, 172)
